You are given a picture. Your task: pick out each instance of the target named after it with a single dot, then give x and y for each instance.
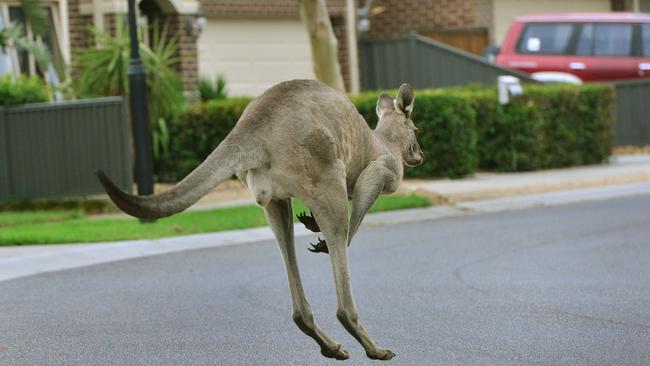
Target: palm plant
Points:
(104, 69)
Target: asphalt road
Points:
(567, 285)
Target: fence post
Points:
(412, 62)
(5, 186)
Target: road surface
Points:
(563, 285)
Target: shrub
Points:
(508, 136)
(22, 90)
(547, 127)
(577, 123)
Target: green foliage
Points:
(212, 91)
(508, 135)
(104, 69)
(22, 90)
(577, 125)
(459, 129)
(36, 15)
(547, 127)
(161, 140)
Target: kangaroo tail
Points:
(221, 164)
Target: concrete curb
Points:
(16, 262)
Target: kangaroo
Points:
(302, 139)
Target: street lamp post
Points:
(139, 112)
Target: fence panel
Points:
(632, 113)
(424, 63)
(53, 149)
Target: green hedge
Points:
(547, 127)
(460, 129)
(22, 90)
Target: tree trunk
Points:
(324, 46)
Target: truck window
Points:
(586, 40)
(545, 38)
(645, 36)
(612, 39)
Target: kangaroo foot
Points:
(336, 352)
(309, 222)
(320, 247)
(380, 354)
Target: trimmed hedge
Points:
(460, 129)
(547, 127)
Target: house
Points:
(472, 25)
(257, 43)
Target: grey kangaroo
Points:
(306, 140)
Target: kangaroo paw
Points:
(309, 222)
(320, 247)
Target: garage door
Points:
(254, 54)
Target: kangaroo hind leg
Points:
(331, 210)
(280, 217)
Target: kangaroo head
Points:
(396, 125)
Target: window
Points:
(586, 40)
(15, 60)
(645, 36)
(545, 38)
(6, 63)
(612, 39)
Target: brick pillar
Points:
(79, 36)
(181, 27)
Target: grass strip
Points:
(74, 227)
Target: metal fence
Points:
(53, 149)
(423, 63)
(632, 113)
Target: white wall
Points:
(505, 11)
(254, 54)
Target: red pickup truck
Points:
(599, 46)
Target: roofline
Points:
(613, 17)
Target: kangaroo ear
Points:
(384, 104)
(405, 99)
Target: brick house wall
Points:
(78, 28)
(401, 16)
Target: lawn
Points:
(74, 226)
